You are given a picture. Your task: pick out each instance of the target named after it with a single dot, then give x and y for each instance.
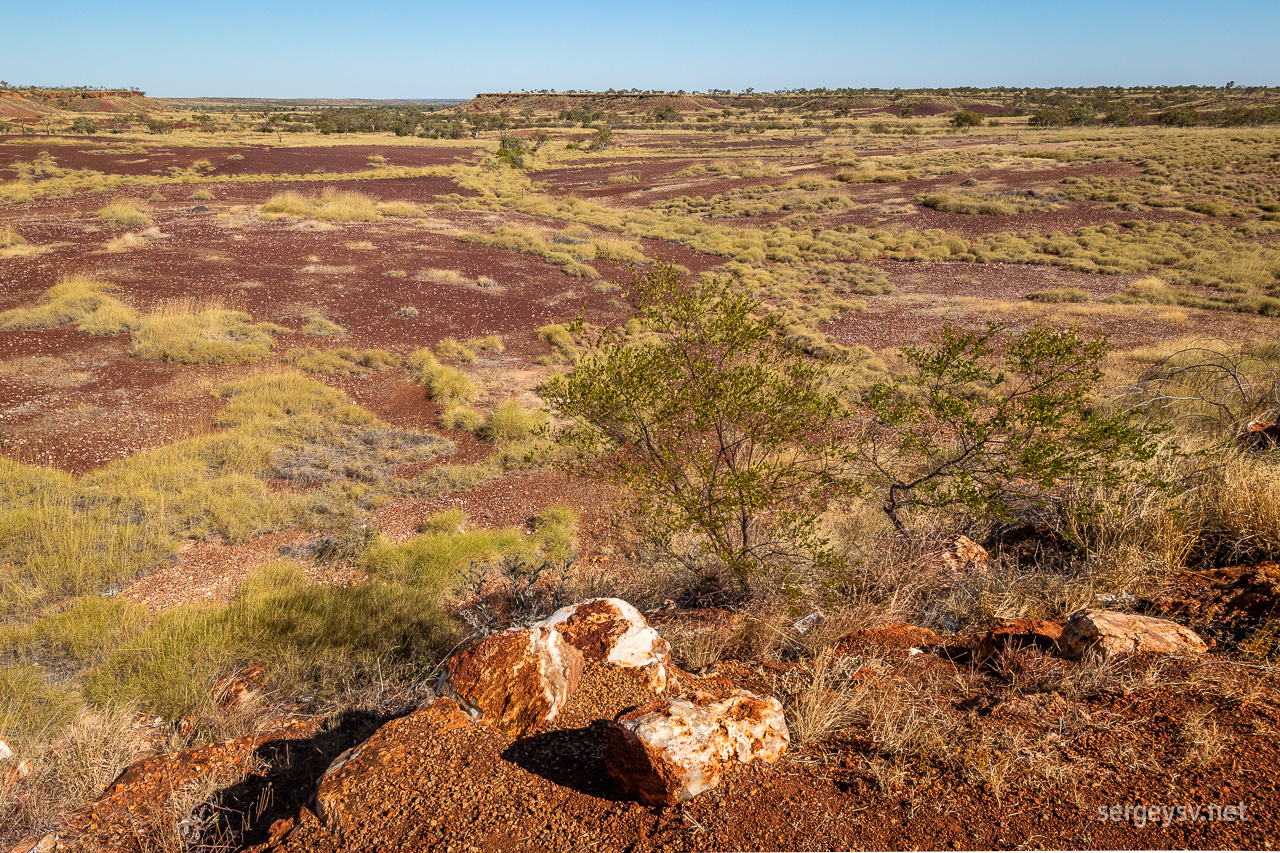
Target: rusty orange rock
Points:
(671, 750)
(516, 679)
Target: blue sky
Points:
(395, 49)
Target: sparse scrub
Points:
(556, 526)
(334, 205)
(1058, 295)
(200, 195)
(460, 418)
(453, 277)
(451, 349)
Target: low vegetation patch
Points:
(79, 300)
(341, 361)
(334, 205)
(444, 384)
(188, 333)
(457, 279)
(125, 213)
(321, 326)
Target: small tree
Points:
(85, 125)
(712, 421)
(965, 119)
(996, 437)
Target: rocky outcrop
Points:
(612, 631)
(1259, 436)
(516, 679)
(1018, 634)
(960, 553)
(1110, 633)
(671, 750)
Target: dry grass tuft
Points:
(126, 213)
(76, 299)
(190, 333)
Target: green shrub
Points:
(712, 421)
(997, 438)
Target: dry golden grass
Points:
(457, 279)
(127, 213)
(334, 205)
(75, 299)
(189, 332)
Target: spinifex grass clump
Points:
(76, 299)
(445, 384)
(342, 361)
(189, 333)
(127, 213)
(334, 205)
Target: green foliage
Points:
(717, 426)
(965, 119)
(1185, 117)
(996, 438)
(85, 125)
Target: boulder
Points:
(516, 679)
(611, 630)
(1111, 633)
(1259, 436)
(240, 689)
(671, 750)
(1018, 634)
(961, 552)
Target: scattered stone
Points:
(45, 844)
(1259, 436)
(809, 622)
(895, 636)
(960, 553)
(1018, 634)
(1042, 707)
(1111, 633)
(670, 750)
(279, 829)
(611, 630)
(515, 679)
(237, 690)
